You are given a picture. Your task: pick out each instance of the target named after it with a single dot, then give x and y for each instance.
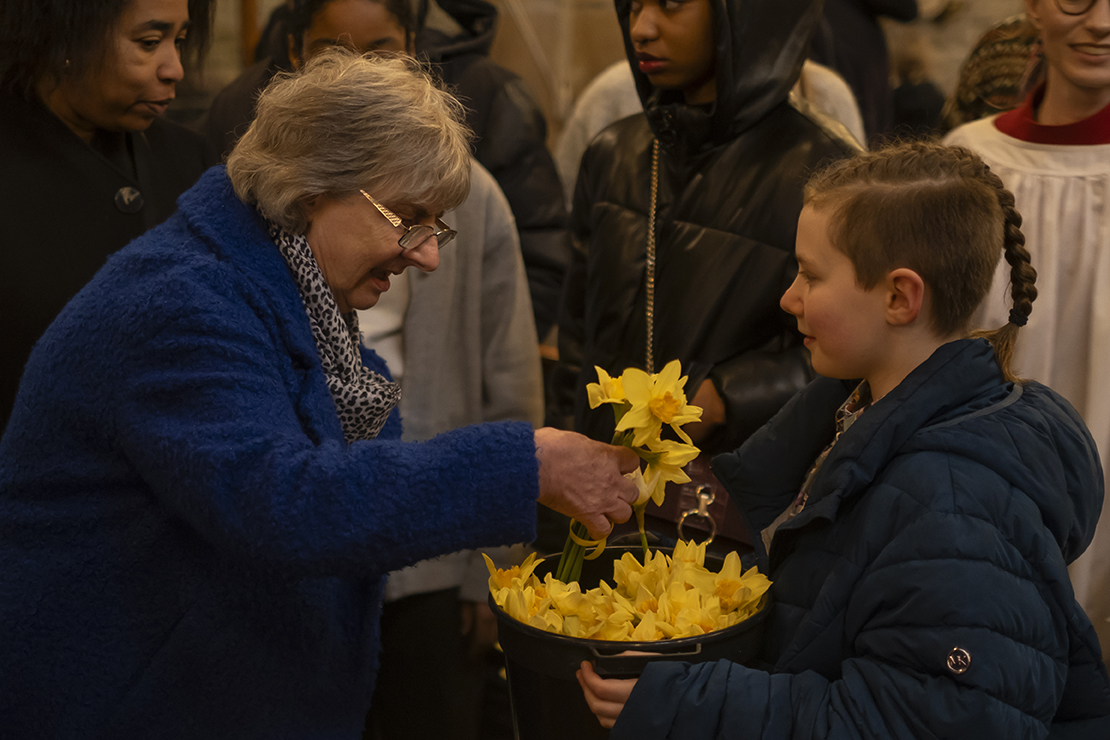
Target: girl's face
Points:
(365, 26)
(675, 46)
(844, 324)
(1076, 47)
(135, 81)
(356, 247)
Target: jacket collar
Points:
(236, 233)
(959, 379)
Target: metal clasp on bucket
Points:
(705, 498)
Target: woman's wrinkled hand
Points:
(584, 479)
(606, 697)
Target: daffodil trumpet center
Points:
(665, 407)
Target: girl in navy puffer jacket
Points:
(917, 525)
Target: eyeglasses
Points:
(1075, 7)
(416, 234)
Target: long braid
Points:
(1023, 279)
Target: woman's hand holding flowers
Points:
(642, 405)
(584, 479)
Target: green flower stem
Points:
(643, 533)
(579, 555)
(570, 562)
(561, 568)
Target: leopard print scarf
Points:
(363, 398)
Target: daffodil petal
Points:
(489, 565)
(636, 417)
(637, 385)
(682, 434)
(668, 377)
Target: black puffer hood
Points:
(761, 46)
(478, 19)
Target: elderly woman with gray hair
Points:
(201, 484)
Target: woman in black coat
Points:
(88, 163)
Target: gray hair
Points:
(345, 123)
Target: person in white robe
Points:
(1053, 153)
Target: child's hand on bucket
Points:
(605, 696)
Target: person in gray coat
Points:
(462, 344)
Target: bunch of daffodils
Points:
(664, 598)
(642, 404)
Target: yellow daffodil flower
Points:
(627, 573)
(656, 400)
(606, 390)
(692, 552)
(649, 486)
(499, 579)
(735, 588)
(666, 453)
(642, 404)
(621, 632)
(668, 460)
(664, 598)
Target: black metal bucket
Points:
(547, 702)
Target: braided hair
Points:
(940, 212)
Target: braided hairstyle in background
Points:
(940, 212)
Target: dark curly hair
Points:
(410, 15)
(37, 37)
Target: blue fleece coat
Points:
(188, 546)
(943, 519)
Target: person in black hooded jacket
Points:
(734, 150)
(509, 127)
(511, 140)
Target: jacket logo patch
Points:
(959, 660)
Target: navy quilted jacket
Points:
(938, 531)
(188, 546)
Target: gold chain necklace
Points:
(650, 363)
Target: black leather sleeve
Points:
(754, 386)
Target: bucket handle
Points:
(631, 666)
